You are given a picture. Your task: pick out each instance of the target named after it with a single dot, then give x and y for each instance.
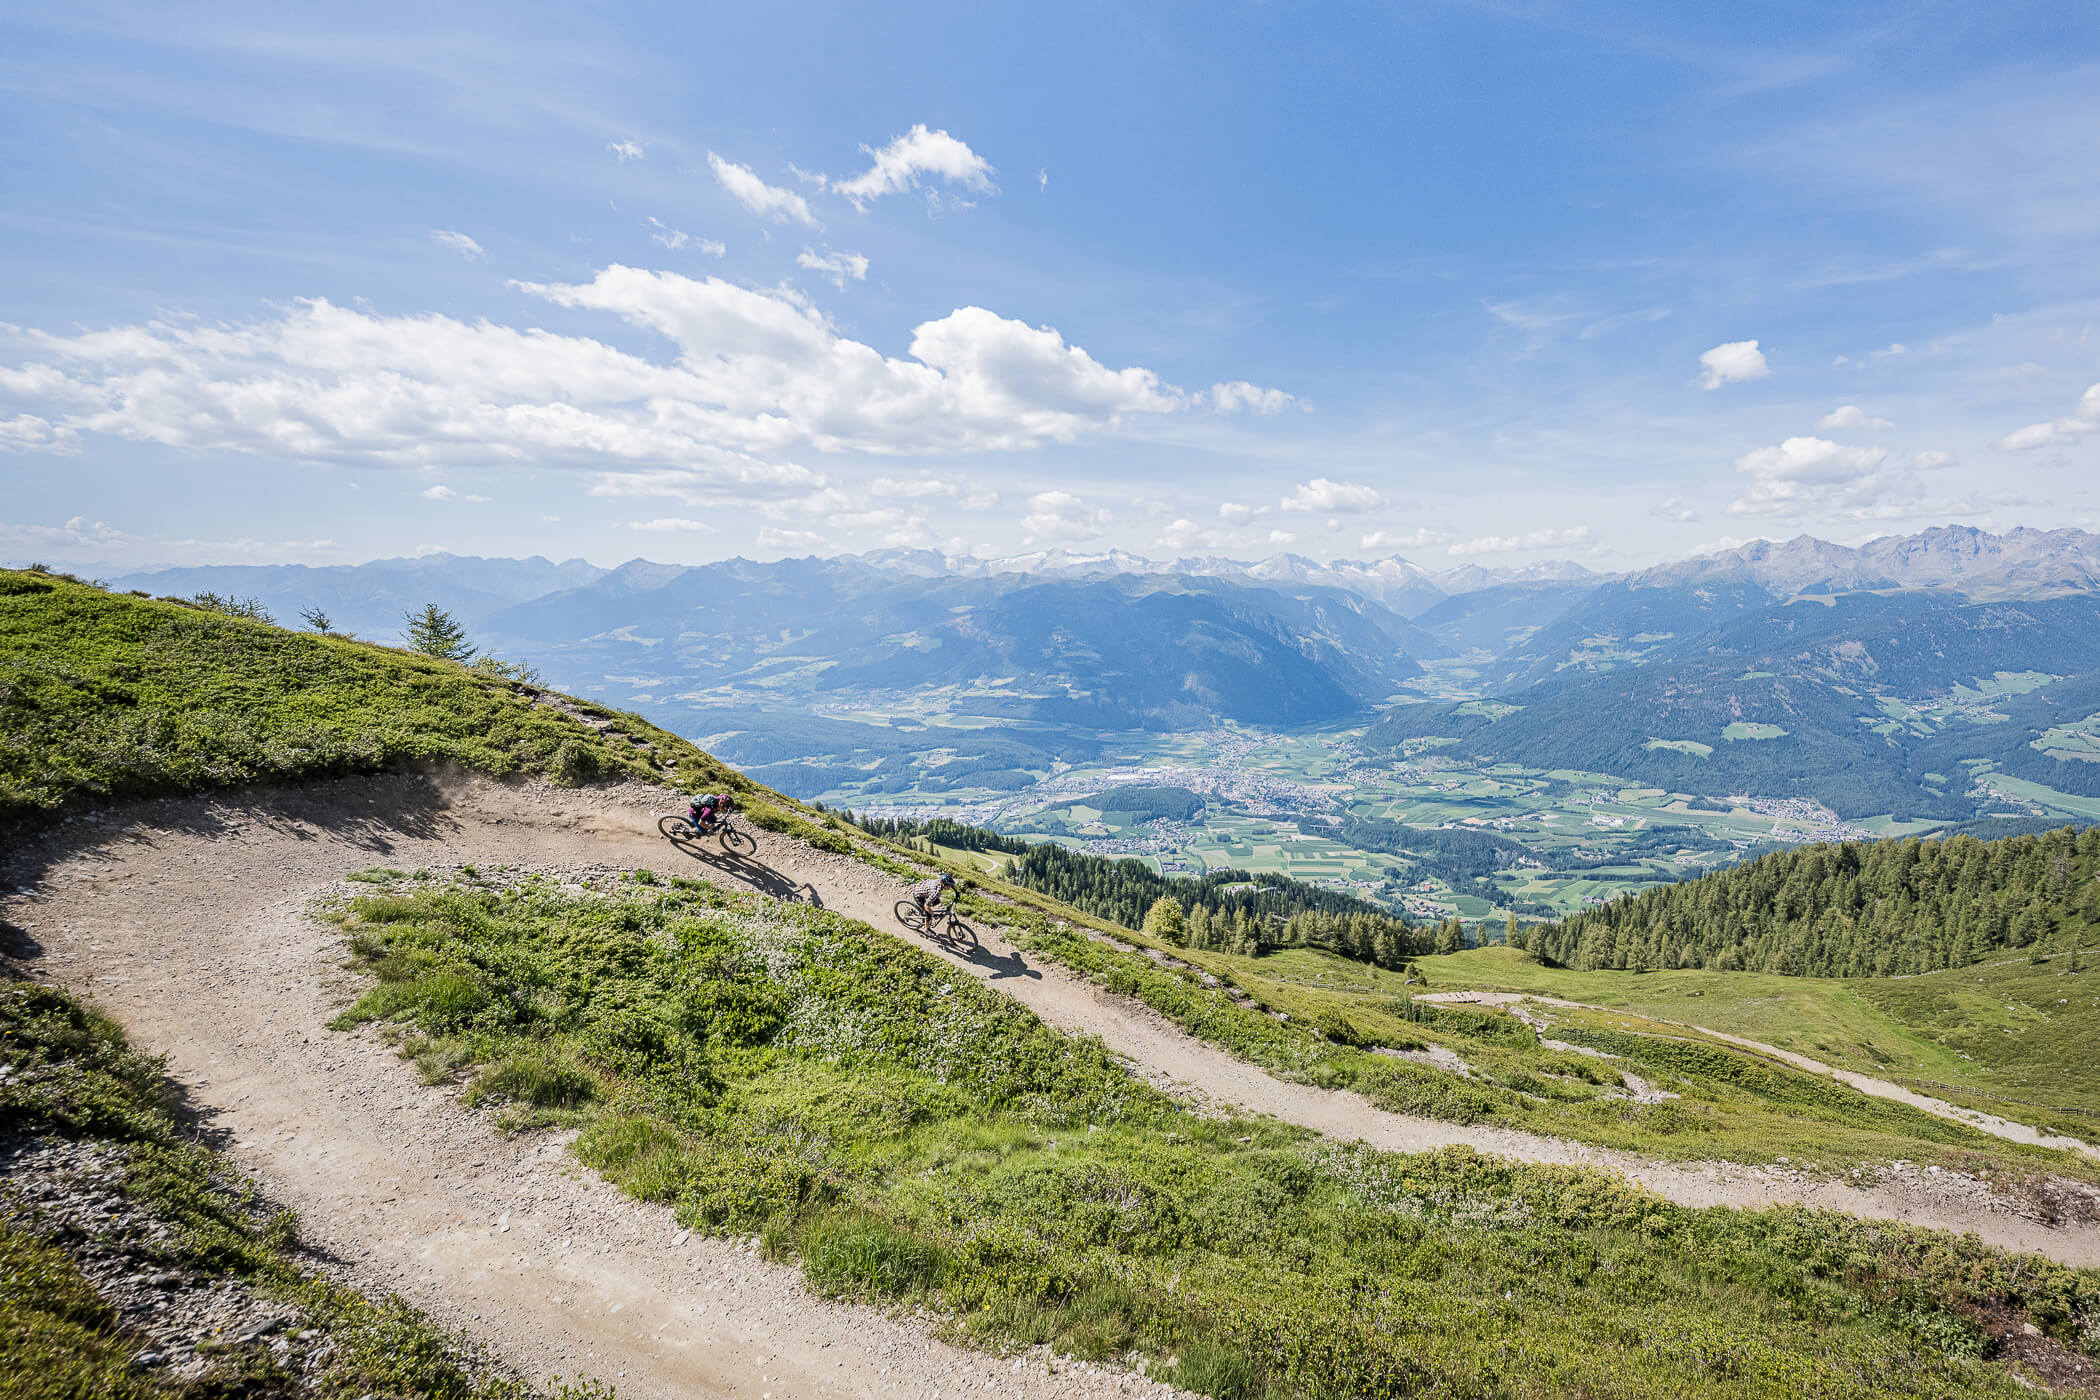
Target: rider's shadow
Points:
(998, 969)
(744, 870)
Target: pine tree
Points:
(436, 633)
(1165, 919)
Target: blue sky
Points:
(1464, 282)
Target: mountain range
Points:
(1780, 668)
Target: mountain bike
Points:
(681, 830)
(941, 922)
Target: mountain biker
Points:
(708, 807)
(927, 893)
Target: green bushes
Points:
(106, 696)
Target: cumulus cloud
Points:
(1851, 415)
(458, 243)
(677, 240)
(439, 493)
(1536, 539)
(1732, 363)
(1060, 516)
(968, 495)
(1337, 497)
(754, 378)
(625, 150)
(1239, 394)
(1805, 472)
(1670, 508)
(1232, 512)
(1417, 538)
(672, 525)
(836, 266)
(1281, 537)
(2083, 420)
(899, 166)
(766, 201)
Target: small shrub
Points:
(860, 1256)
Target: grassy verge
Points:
(66, 1074)
(909, 1135)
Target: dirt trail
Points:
(1866, 1083)
(186, 919)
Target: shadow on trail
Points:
(374, 813)
(997, 968)
(746, 870)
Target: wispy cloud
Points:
(458, 243)
(678, 240)
(625, 150)
(1535, 539)
(1060, 516)
(673, 525)
(1851, 416)
(839, 267)
(767, 201)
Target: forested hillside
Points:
(1857, 909)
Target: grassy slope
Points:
(70, 1074)
(2012, 1028)
(910, 1135)
(107, 695)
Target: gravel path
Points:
(186, 919)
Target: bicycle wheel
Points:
(675, 828)
(959, 931)
(736, 840)
(909, 915)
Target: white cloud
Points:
(898, 167)
(1417, 538)
(753, 378)
(1233, 513)
(439, 493)
(77, 533)
(766, 201)
(1062, 516)
(1345, 497)
(1281, 537)
(1239, 394)
(1731, 363)
(1187, 534)
(673, 525)
(836, 266)
(1042, 179)
(1851, 415)
(1805, 472)
(458, 243)
(1536, 539)
(771, 537)
(1932, 460)
(677, 240)
(912, 487)
(25, 432)
(2083, 420)
(813, 178)
(626, 150)
(1670, 508)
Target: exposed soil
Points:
(186, 919)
